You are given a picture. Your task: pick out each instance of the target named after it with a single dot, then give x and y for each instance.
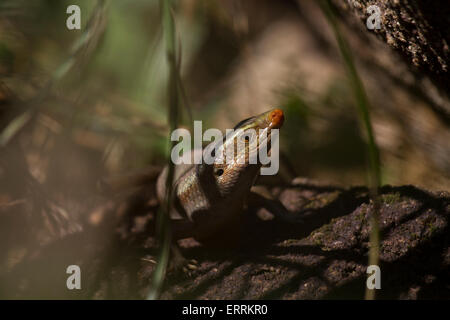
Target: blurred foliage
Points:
(339, 146)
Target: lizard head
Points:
(237, 158)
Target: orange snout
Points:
(276, 118)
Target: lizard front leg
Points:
(181, 229)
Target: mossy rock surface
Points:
(325, 257)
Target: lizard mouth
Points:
(261, 125)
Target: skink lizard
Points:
(208, 196)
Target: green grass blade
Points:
(163, 222)
(372, 149)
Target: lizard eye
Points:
(219, 172)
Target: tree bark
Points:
(418, 31)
